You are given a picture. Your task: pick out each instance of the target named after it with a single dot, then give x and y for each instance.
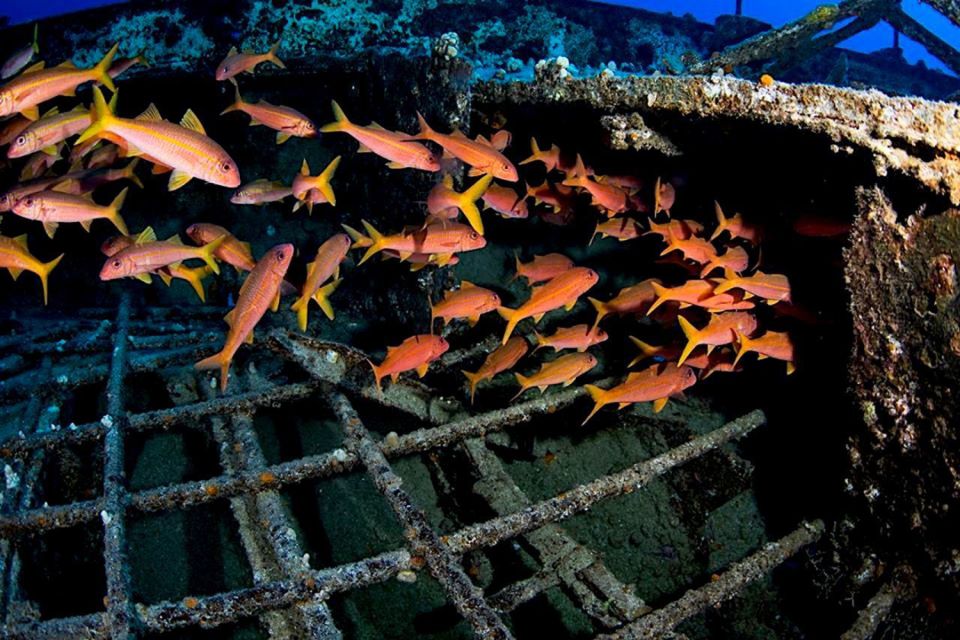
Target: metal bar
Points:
(872, 616)
(120, 611)
(466, 597)
(931, 42)
(726, 586)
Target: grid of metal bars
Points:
(288, 595)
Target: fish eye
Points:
(21, 140)
(28, 202)
(225, 166)
(116, 264)
(279, 255)
(474, 235)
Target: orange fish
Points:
(194, 276)
(657, 383)
(304, 184)
(20, 58)
(38, 164)
(505, 201)
(724, 302)
(443, 197)
(630, 184)
(100, 177)
(24, 189)
(562, 291)
(735, 226)
(124, 64)
(721, 329)
(717, 360)
(36, 85)
(611, 198)
(397, 147)
(664, 197)
(664, 352)
(419, 260)
(634, 299)
(327, 264)
(184, 147)
(549, 157)
(619, 228)
(681, 229)
(287, 122)
(49, 131)
(734, 259)
(580, 337)
(557, 196)
(564, 370)
(261, 192)
(697, 249)
(51, 208)
(232, 251)
(689, 293)
(441, 240)
(236, 63)
(104, 156)
(12, 128)
(482, 157)
(501, 359)
(414, 353)
(543, 268)
(16, 258)
(769, 345)
(469, 302)
(139, 260)
(260, 291)
(773, 287)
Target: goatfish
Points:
(326, 264)
(635, 299)
(693, 248)
(620, 228)
(36, 85)
(733, 260)
(736, 226)
(12, 128)
(500, 359)
(260, 291)
(562, 291)
(418, 260)
(505, 201)
(611, 198)
(124, 64)
(20, 58)
(664, 197)
(52, 207)
(41, 184)
(50, 130)
(555, 195)
(773, 287)
(415, 353)
(304, 184)
(233, 251)
(139, 260)
(184, 147)
(549, 157)
(287, 122)
(470, 302)
(680, 229)
(443, 197)
(100, 177)
(261, 192)
(564, 370)
(38, 164)
(396, 147)
(479, 154)
(689, 293)
(441, 240)
(769, 345)
(718, 360)
(236, 63)
(193, 276)
(543, 268)
(655, 383)
(16, 258)
(580, 337)
(722, 329)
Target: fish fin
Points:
(233, 51)
(570, 305)
(164, 276)
(44, 272)
(323, 181)
(302, 307)
(272, 55)
(376, 242)
(468, 199)
(102, 116)
(744, 345)
(599, 397)
(51, 150)
(150, 114)
(14, 272)
(396, 165)
(36, 47)
(50, 228)
(192, 122)
(340, 123)
(249, 338)
(466, 284)
(143, 277)
(147, 235)
(693, 336)
(443, 259)
(321, 297)
(275, 303)
(304, 168)
(791, 367)
(216, 361)
(36, 66)
(178, 178)
(237, 104)
(195, 278)
(422, 369)
(364, 149)
(22, 241)
(206, 252)
(31, 113)
(473, 379)
(86, 225)
(101, 72)
(659, 404)
(721, 220)
(230, 317)
(359, 240)
(282, 136)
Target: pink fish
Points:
(236, 63)
(397, 147)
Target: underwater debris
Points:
(631, 132)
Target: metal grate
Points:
(289, 596)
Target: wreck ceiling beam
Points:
(949, 8)
(790, 59)
(933, 44)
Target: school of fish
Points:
(714, 306)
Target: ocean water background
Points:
(775, 12)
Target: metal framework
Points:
(288, 595)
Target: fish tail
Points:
(661, 292)
(323, 181)
(474, 380)
(693, 338)
(340, 122)
(36, 47)
(376, 242)
(377, 376)
(426, 133)
(512, 318)
(602, 311)
(216, 361)
(540, 340)
(130, 174)
(579, 170)
(599, 397)
(646, 350)
(102, 116)
(596, 231)
(523, 381)
(322, 298)
(272, 55)
(237, 102)
(359, 240)
(516, 274)
(726, 285)
(301, 306)
(101, 72)
(113, 213)
(721, 221)
(468, 202)
(535, 153)
(746, 345)
(195, 278)
(206, 252)
(44, 273)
